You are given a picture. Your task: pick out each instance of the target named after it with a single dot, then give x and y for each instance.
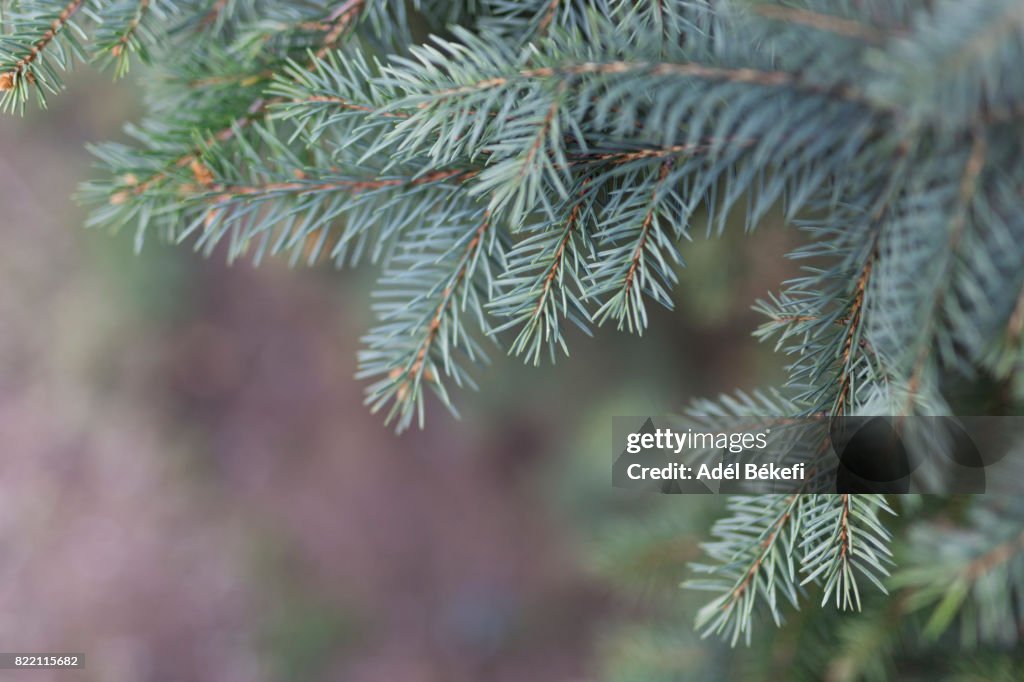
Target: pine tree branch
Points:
(855, 313)
(257, 110)
(844, 527)
(448, 296)
(243, 80)
(575, 159)
(848, 28)
(11, 78)
(346, 104)
(655, 153)
(980, 43)
(753, 564)
(222, 193)
(852, 328)
(215, 12)
(422, 335)
(998, 555)
(743, 75)
(122, 42)
(540, 286)
(973, 167)
(765, 548)
(572, 224)
(842, 536)
(538, 140)
(971, 574)
(340, 19)
(549, 16)
(638, 255)
(645, 228)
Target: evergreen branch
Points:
(645, 227)
(841, 538)
(973, 167)
(531, 21)
(243, 79)
(992, 559)
(828, 311)
(448, 296)
(836, 537)
(740, 75)
(638, 257)
(956, 65)
(754, 545)
(140, 28)
(297, 203)
(656, 153)
(848, 28)
(530, 158)
(26, 66)
(37, 48)
(215, 13)
(852, 330)
(340, 20)
(765, 548)
(222, 193)
(557, 261)
(538, 140)
(972, 574)
(420, 335)
(346, 104)
(542, 285)
(548, 18)
(133, 26)
(257, 110)
(301, 102)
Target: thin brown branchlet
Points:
(341, 20)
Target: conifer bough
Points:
(519, 168)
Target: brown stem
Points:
(844, 528)
(549, 16)
(1000, 554)
(694, 70)
(227, 192)
(341, 18)
(538, 139)
(766, 547)
(853, 324)
(571, 224)
(449, 295)
(645, 228)
(346, 104)
(215, 12)
(823, 22)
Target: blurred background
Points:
(191, 488)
